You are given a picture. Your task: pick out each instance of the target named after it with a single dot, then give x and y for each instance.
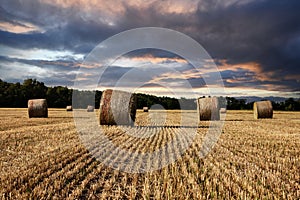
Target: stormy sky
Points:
(255, 44)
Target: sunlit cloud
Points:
(18, 27)
(119, 6)
(38, 54)
(292, 77)
(149, 60)
(23, 71)
(175, 76)
(253, 69)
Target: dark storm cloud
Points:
(248, 79)
(63, 28)
(36, 12)
(264, 32)
(56, 39)
(26, 41)
(261, 31)
(8, 17)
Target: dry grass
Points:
(253, 159)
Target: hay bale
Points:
(262, 109)
(145, 109)
(69, 108)
(209, 108)
(223, 110)
(117, 108)
(90, 108)
(37, 108)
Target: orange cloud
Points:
(175, 75)
(250, 66)
(87, 65)
(19, 27)
(254, 67)
(115, 9)
(292, 77)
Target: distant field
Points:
(253, 159)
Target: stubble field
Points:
(47, 158)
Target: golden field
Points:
(253, 159)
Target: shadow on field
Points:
(235, 120)
(65, 117)
(171, 126)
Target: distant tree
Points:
(58, 97)
(34, 89)
(290, 104)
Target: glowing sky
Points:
(254, 43)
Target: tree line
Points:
(17, 95)
(289, 104)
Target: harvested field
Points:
(253, 159)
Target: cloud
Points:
(63, 28)
(11, 23)
(39, 54)
(51, 72)
(260, 32)
(19, 27)
(255, 44)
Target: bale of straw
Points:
(209, 108)
(223, 110)
(90, 108)
(145, 109)
(69, 108)
(262, 109)
(117, 108)
(37, 108)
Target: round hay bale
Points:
(209, 108)
(223, 110)
(117, 108)
(69, 108)
(145, 109)
(90, 108)
(262, 109)
(37, 108)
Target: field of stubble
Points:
(253, 159)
